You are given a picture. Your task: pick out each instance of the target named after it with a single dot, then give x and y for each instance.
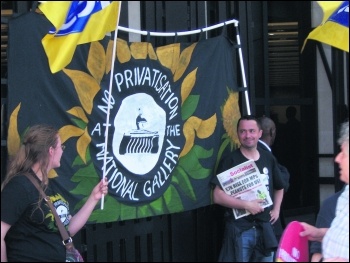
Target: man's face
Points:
(343, 160)
(248, 133)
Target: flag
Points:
(173, 113)
(334, 29)
(76, 22)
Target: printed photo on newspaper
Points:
(245, 182)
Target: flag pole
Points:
(109, 100)
(242, 70)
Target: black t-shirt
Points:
(284, 171)
(267, 165)
(33, 235)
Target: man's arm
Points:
(4, 229)
(316, 257)
(285, 176)
(313, 233)
(277, 201)
(221, 198)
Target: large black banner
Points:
(170, 113)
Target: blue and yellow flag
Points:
(334, 29)
(76, 22)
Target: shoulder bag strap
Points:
(64, 233)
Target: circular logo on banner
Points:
(144, 131)
(139, 139)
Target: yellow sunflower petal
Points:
(189, 133)
(151, 52)
(69, 131)
(206, 127)
(86, 87)
(109, 54)
(231, 115)
(184, 60)
(13, 138)
(82, 144)
(52, 173)
(123, 51)
(196, 126)
(139, 50)
(169, 56)
(188, 84)
(96, 62)
(78, 112)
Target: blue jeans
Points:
(249, 240)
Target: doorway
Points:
(289, 98)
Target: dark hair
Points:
(267, 125)
(34, 149)
(248, 118)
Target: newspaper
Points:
(245, 182)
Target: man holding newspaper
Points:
(243, 178)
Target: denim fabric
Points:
(250, 239)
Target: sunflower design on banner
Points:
(157, 134)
